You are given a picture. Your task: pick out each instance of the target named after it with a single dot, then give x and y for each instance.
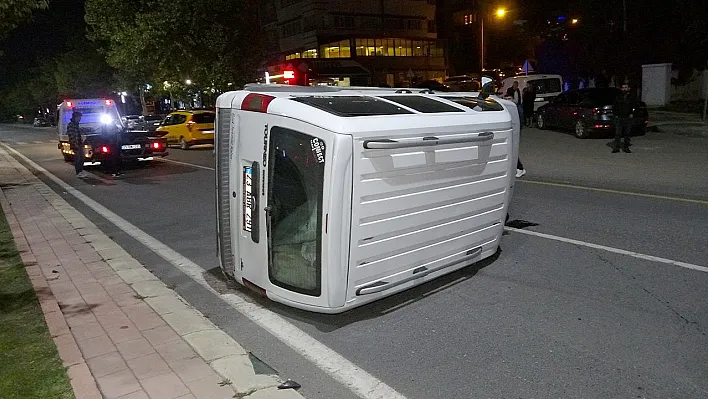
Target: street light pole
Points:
(482, 35)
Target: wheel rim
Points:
(579, 129)
(539, 121)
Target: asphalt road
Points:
(547, 318)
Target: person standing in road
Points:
(527, 103)
(623, 110)
(77, 146)
(113, 163)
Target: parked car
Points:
(150, 123)
(41, 122)
(433, 85)
(588, 112)
(131, 121)
(463, 83)
(188, 128)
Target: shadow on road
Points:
(329, 323)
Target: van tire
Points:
(183, 143)
(67, 157)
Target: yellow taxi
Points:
(188, 128)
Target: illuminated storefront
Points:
(368, 61)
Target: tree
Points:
(13, 12)
(210, 42)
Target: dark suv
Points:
(588, 112)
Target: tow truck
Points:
(101, 121)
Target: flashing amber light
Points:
(574, 21)
(501, 12)
(289, 75)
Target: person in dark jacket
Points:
(623, 110)
(527, 102)
(77, 146)
(113, 163)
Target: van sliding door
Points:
(296, 169)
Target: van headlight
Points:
(106, 119)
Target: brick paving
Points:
(120, 332)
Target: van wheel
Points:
(540, 122)
(581, 131)
(67, 157)
(183, 144)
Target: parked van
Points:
(329, 198)
(547, 86)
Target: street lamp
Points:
(574, 21)
(188, 82)
(500, 13)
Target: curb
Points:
(219, 350)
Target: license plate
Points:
(131, 147)
(247, 205)
(207, 132)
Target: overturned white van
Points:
(328, 199)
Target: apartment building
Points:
(347, 42)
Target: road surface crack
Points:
(654, 296)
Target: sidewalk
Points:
(677, 123)
(119, 330)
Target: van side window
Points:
(543, 86)
(296, 169)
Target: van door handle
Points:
(388, 144)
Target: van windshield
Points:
(544, 86)
(295, 189)
(477, 104)
(352, 105)
(92, 116)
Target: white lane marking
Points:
(184, 163)
(38, 142)
(359, 381)
(611, 249)
(606, 190)
(21, 143)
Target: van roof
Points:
(352, 110)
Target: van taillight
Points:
(256, 102)
(109, 102)
(105, 150)
(156, 146)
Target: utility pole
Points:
(482, 57)
(624, 16)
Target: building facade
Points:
(345, 42)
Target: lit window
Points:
(341, 49)
(311, 53)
